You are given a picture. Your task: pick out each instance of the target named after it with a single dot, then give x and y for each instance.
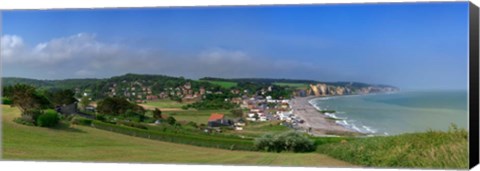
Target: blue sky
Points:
(409, 45)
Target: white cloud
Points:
(218, 55)
(55, 51)
(81, 45)
(12, 46)
(83, 55)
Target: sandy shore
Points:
(319, 123)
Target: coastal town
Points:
(360, 85)
(294, 111)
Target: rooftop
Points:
(215, 116)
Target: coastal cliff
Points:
(323, 89)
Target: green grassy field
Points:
(257, 129)
(81, 143)
(197, 116)
(433, 149)
(294, 85)
(224, 84)
(165, 103)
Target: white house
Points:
(263, 118)
(254, 110)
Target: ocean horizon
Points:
(399, 112)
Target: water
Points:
(395, 113)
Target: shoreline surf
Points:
(319, 124)
(382, 114)
(344, 121)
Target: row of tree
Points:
(33, 102)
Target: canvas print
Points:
(321, 85)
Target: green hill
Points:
(81, 143)
(432, 149)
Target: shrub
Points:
(48, 119)
(100, 118)
(69, 117)
(192, 124)
(149, 120)
(289, 141)
(23, 121)
(171, 120)
(31, 115)
(157, 113)
(6, 101)
(137, 118)
(132, 124)
(81, 121)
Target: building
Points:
(152, 97)
(216, 120)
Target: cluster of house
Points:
(139, 92)
(218, 120)
(268, 109)
(259, 110)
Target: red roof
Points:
(215, 116)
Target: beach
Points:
(399, 112)
(320, 124)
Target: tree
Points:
(7, 91)
(171, 120)
(157, 114)
(176, 98)
(118, 106)
(237, 112)
(85, 101)
(26, 98)
(61, 97)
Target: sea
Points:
(399, 112)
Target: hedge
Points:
(287, 141)
(132, 124)
(82, 121)
(197, 140)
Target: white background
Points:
(74, 166)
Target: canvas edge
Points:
(473, 85)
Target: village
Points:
(259, 109)
(255, 106)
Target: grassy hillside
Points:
(294, 85)
(224, 84)
(257, 129)
(80, 143)
(433, 149)
(165, 103)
